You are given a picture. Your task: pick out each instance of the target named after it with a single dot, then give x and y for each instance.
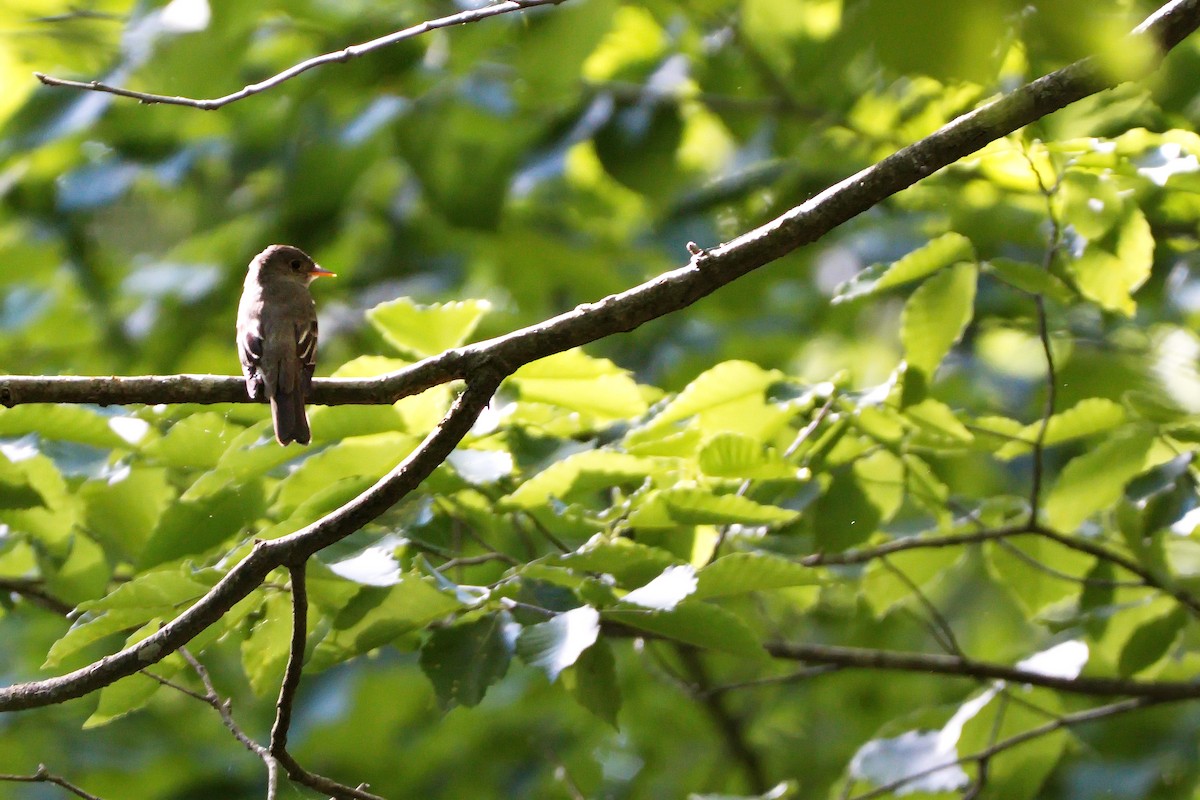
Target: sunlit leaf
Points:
(1089, 416)
(1095, 479)
(556, 644)
(936, 315)
(740, 573)
(947, 249)
(427, 330)
(573, 380)
(696, 623)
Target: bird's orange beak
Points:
(318, 272)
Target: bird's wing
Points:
(250, 352)
(306, 349)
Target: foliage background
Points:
(540, 160)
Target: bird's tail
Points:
(287, 412)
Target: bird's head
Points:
(282, 262)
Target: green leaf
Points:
(886, 584)
(1031, 278)
(462, 661)
(123, 511)
(50, 524)
(134, 691)
(1094, 480)
(1088, 417)
(83, 575)
(1092, 202)
(89, 629)
(195, 442)
(1151, 641)
(638, 145)
(266, 649)
(371, 457)
(555, 48)
(193, 526)
(592, 681)
(936, 315)
(1017, 773)
(735, 455)
(728, 397)
(378, 616)
(586, 471)
(60, 423)
(427, 330)
(939, 253)
(939, 424)
(699, 507)
(1110, 278)
(556, 644)
(1038, 572)
(123, 697)
(158, 589)
(630, 563)
(158, 594)
(694, 622)
(464, 155)
(576, 381)
(741, 573)
(844, 515)
(15, 491)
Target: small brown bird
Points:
(277, 335)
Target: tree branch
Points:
(287, 700)
(338, 57)
(985, 755)
(295, 662)
(707, 271)
(938, 664)
(485, 364)
(45, 776)
(249, 573)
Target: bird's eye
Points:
(296, 264)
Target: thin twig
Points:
(1085, 580)
(939, 625)
(295, 662)
(563, 774)
(338, 57)
(33, 591)
(1039, 444)
(224, 709)
(797, 676)
(287, 699)
(799, 439)
(1065, 721)
(731, 728)
(45, 776)
(485, 364)
(939, 664)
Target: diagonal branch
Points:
(337, 57)
(249, 573)
(485, 364)
(984, 756)
(43, 775)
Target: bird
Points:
(277, 336)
